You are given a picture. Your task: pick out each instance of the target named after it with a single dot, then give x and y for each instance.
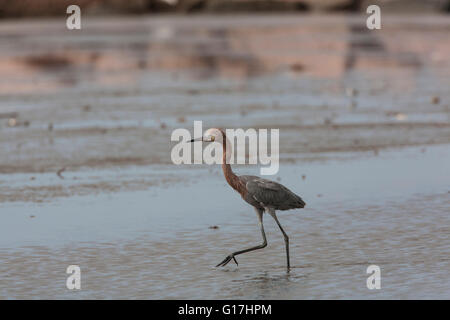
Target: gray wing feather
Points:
(273, 194)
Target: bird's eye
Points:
(212, 138)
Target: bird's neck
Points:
(231, 178)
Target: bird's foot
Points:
(226, 260)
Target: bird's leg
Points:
(263, 245)
(286, 238)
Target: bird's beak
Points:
(197, 139)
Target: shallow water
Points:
(363, 116)
(157, 243)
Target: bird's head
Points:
(211, 135)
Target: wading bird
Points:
(263, 195)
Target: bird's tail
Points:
(300, 202)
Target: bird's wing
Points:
(265, 191)
(273, 194)
(264, 184)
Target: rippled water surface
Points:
(86, 177)
(158, 244)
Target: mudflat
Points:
(86, 176)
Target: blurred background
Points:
(33, 8)
(86, 118)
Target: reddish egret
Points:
(263, 195)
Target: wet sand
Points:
(364, 116)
